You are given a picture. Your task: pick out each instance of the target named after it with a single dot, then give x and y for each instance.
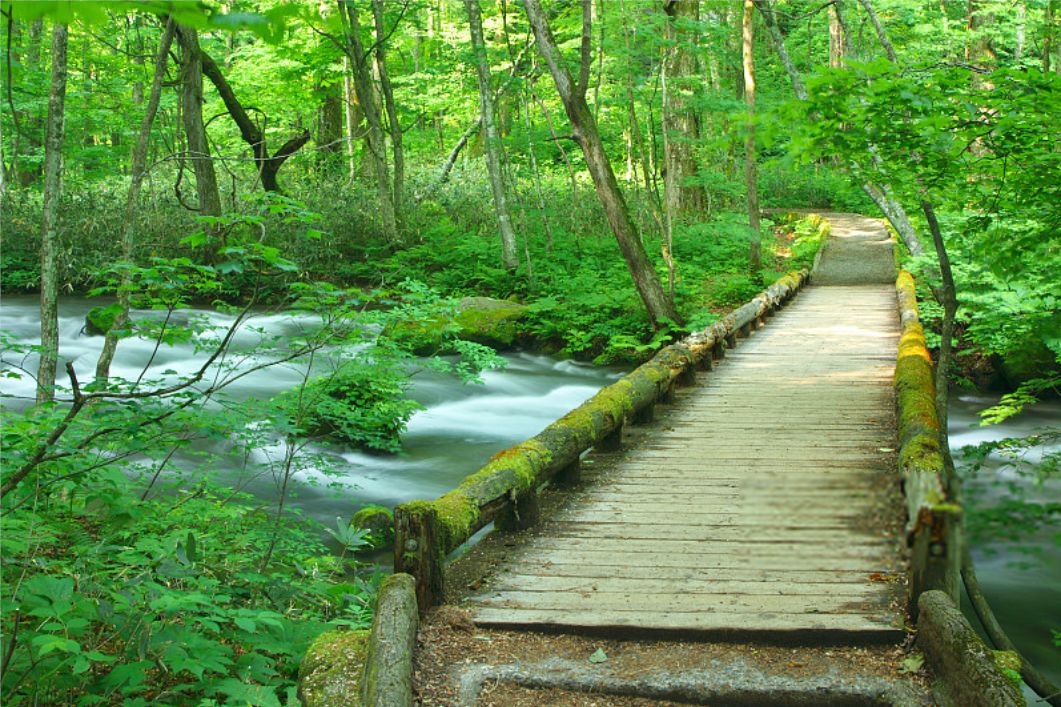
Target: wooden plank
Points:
(853, 590)
(716, 574)
(861, 627)
(679, 600)
(845, 560)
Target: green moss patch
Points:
(331, 671)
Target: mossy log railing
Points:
(506, 489)
(933, 529)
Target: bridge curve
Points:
(765, 503)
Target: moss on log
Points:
(966, 670)
(388, 678)
(933, 520)
(331, 671)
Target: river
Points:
(463, 425)
(1021, 578)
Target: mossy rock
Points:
(490, 322)
(331, 672)
(99, 320)
(484, 320)
(378, 520)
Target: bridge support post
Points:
(612, 441)
(935, 557)
(418, 552)
(521, 513)
(718, 351)
(731, 341)
(645, 415)
(570, 475)
(746, 330)
(688, 375)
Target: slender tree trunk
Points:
(509, 255)
(751, 173)
(194, 130)
(947, 294)
(138, 166)
(374, 140)
(882, 36)
(268, 165)
(53, 188)
(778, 41)
(681, 128)
(659, 306)
(1049, 32)
(392, 110)
(353, 120)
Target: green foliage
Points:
(362, 403)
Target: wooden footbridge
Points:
(775, 477)
(768, 502)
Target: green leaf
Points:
(599, 656)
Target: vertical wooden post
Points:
(521, 513)
(731, 340)
(570, 475)
(746, 330)
(417, 551)
(935, 558)
(645, 414)
(613, 441)
(719, 350)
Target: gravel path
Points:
(860, 251)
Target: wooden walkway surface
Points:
(758, 502)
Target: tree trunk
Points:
(374, 140)
(137, 170)
(53, 186)
(751, 173)
(836, 38)
(1049, 32)
(354, 118)
(194, 130)
(882, 36)
(658, 305)
(392, 110)
(681, 128)
(330, 120)
(509, 256)
(778, 41)
(268, 166)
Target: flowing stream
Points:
(463, 425)
(1020, 578)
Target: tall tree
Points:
(364, 87)
(751, 173)
(397, 151)
(53, 187)
(659, 306)
(268, 165)
(137, 171)
(681, 127)
(509, 256)
(194, 130)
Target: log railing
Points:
(506, 489)
(933, 529)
